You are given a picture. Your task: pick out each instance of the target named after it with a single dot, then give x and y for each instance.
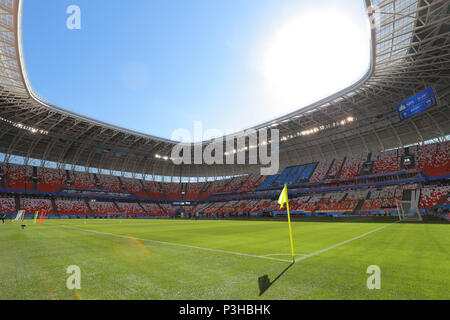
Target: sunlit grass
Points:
(414, 260)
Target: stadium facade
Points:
(351, 140)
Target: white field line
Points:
(268, 257)
(284, 254)
(343, 242)
(179, 245)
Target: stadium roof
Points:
(410, 52)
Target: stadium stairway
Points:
(121, 185)
(69, 179)
(183, 190)
(97, 181)
(17, 199)
(242, 183)
(162, 209)
(55, 208)
(338, 174)
(144, 188)
(141, 206)
(204, 189)
(314, 211)
(161, 189)
(359, 206)
(2, 179)
(34, 179)
(225, 185)
(260, 181)
(329, 168)
(118, 208)
(268, 182)
(209, 205)
(442, 201)
(89, 207)
(309, 171)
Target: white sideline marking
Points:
(284, 254)
(268, 257)
(180, 245)
(342, 243)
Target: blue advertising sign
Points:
(417, 104)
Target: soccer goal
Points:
(20, 215)
(407, 211)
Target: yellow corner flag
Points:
(282, 200)
(35, 217)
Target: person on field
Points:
(3, 217)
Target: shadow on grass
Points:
(265, 283)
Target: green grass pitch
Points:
(170, 259)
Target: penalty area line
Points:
(284, 254)
(343, 242)
(178, 244)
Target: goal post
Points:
(407, 211)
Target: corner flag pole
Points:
(283, 199)
(290, 231)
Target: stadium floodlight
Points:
(408, 211)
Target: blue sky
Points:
(157, 66)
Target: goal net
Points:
(20, 215)
(407, 211)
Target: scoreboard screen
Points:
(417, 104)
